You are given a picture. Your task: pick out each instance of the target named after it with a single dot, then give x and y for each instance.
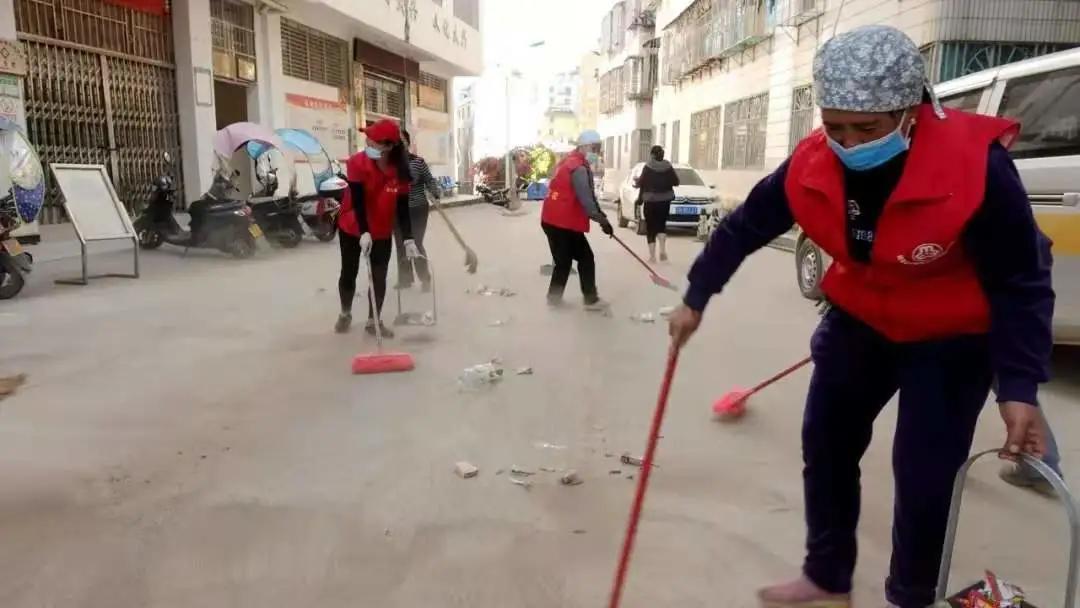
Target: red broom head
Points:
(731, 406)
(382, 363)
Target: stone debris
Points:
(466, 470)
(524, 371)
(483, 374)
(549, 469)
(615, 472)
(10, 384)
(571, 478)
(521, 482)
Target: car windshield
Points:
(689, 177)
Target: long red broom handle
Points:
(636, 256)
(643, 479)
(781, 375)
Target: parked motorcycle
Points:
(499, 197)
(317, 211)
(20, 202)
(14, 262)
(219, 219)
(277, 216)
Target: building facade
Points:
(465, 134)
(560, 125)
(588, 107)
(734, 96)
(120, 82)
(628, 84)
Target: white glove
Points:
(411, 250)
(365, 244)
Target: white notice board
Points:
(96, 213)
(91, 202)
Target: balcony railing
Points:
(639, 77)
(730, 27)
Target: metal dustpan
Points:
(1072, 516)
(419, 319)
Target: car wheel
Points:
(809, 269)
(623, 222)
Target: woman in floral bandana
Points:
(940, 289)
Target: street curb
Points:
(462, 203)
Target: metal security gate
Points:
(101, 89)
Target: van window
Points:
(1048, 106)
(968, 101)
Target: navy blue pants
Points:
(943, 385)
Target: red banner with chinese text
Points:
(156, 7)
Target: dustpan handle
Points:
(954, 516)
(375, 312)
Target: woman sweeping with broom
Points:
(378, 193)
(940, 288)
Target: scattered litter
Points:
(629, 476)
(626, 458)
(484, 290)
(521, 482)
(644, 317)
(549, 470)
(466, 470)
(666, 311)
(524, 371)
(10, 384)
(522, 471)
(499, 323)
(320, 290)
(598, 427)
(580, 531)
(428, 318)
(386, 532)
(500, 471)
(991, 592)
(615, 472)
(543, 445)
(571, 478)
(481, 375)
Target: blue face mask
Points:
(593, 157)
(864, 157)
(373, 153)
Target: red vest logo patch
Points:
(924, 254)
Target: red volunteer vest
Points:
(381, 191)
(920, 284)
(561, 207)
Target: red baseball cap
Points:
(383, 130)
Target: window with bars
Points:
(384, 96)
(431, 92)
(308, 54)
(644, 142)
(232, 33)
(705, 138)
(802, 115)
(744, 133)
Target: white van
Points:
(1044, 95)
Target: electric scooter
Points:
(219, 220)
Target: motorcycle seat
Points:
(224, 206)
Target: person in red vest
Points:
(939, 289)
(378, 194)
(570, 204)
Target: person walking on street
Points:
(570, 204)
(940, 287)
(657, 184)
(378, 191)
(422, 184)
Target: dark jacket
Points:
(657, 182)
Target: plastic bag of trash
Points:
(479, 376)
(990, 592)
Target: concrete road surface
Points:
(194, 438)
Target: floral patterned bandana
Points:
(875, 68)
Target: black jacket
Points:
(657, 182)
